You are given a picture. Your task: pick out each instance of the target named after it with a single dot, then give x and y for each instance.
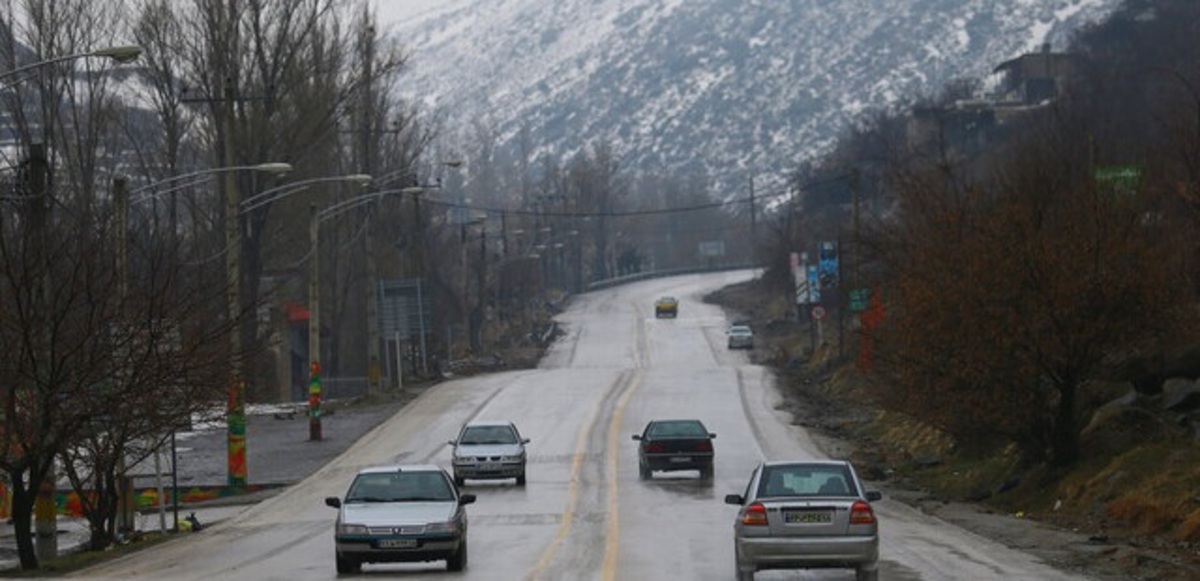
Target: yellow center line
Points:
(612, 534)
(581, 443)
(564, 527)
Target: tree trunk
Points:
(22, 515)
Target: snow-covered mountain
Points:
(727, 87)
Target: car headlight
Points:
(514, 458)
(442, 527)
(345, 529)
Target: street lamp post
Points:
(149, 192)
(121, 54)
(175, 183)
(314, 303)
(418, 270)
(466, 289)
(277, 193)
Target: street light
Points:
(419, 248)
(268, 196)
(275, 194)
(467, 220)
(235, 425)
(121, 54)
(235, 207)
(314, 302)
(176, 183)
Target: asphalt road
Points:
(584, 513)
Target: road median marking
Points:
(627, 384)
(612, 530)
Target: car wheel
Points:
(644, 472)
(458, 561)
(346, 565)
(706, 471)
(864, 574)
(521, 479)
(459, 481)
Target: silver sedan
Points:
(489, 450)
(811, 514)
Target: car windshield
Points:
(423, 486)
(477, 435)
(682, 429)
(806, 480)
(739, 331)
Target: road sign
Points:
(802, 293)
(859, 299)
(818, 313)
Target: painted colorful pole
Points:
(236, 417)
(314, 402)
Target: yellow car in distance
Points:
(666, 307)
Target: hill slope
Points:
(722, 87)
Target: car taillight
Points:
(654, 448)
(704, 446)
(755, 514)
(861, 514)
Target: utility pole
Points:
(753, 216)
(481, 309)
(314, 327)
(235, 417)
(419, 274)
(366, 109)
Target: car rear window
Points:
(678, 430)
(806, 480)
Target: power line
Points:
(523, 212)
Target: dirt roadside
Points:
(1105, 557)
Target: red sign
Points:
(818, 313)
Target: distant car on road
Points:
(805, 515)
(666, 306)
(403, 513)
(671, 445)
(488, 450)
(740, 337)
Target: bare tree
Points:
(1005, 295)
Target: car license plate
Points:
(807, 517)
(397, 544)
(680, 459)
(489, 467)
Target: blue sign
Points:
(829, 266)
(814, 284)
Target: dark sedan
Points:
(671, 445)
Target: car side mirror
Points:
(637, 437)
(525, 440)
(712, 435)
(333, 501)
(873, 495)
(452, 442)
(734, 499)
(466, 499)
